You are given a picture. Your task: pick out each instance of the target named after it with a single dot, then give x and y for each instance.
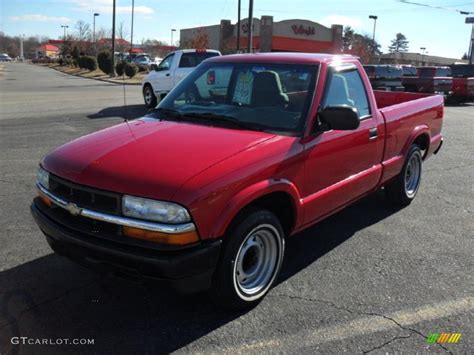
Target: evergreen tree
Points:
(399, 44)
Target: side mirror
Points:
(154, 67)
(340, 117)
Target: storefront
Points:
(268, 36)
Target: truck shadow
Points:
(51, 297)
(129, 112)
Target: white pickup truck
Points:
(174, 67)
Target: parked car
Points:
(174, 67)
(432, 80)
(463, 82)
(5, 58)
(385, 77)
(143, 60)
(203, 191)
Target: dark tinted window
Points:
(193, 59)
(462, 70)
(388, 72)
(347, 88)
(409, 71)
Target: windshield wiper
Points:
(168, 112)
(210, 116)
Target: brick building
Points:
(269, 36)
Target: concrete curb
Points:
(98, 79)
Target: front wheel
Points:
(402, 190)
(149, 96)
(251, 260)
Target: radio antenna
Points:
(124, 97)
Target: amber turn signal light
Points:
(45, 200)
(158, 237)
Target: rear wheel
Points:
(402, 190)
(149, 96)
(251, 260)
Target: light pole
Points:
(373, 17)
(250, 23)
(112, 70)
(93, 34)
(422, 49)
(131, 35)
(64, 39)
(21, 47)
(64, 27)
(238, 27)
(172, 30)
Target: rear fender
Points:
(417, 132)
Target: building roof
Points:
(418, 57)
(119, 41)
(48, 47)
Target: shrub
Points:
(119, 68)
(61, 62)
(104, 59)
(130, 70)
(87, 62)
(90, 63)
(74, 63)
(142, 68)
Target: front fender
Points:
(252, 193)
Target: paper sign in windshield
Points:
(243, 88)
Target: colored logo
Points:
(441, 338)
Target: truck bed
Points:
(406, 114)
(390, 98)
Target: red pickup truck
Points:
(433, 80)
(463, 82)
(245, 151)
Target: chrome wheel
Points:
(413, 175)
(258, 259)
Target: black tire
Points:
(403, 189)
(149, 96)
(255, 236)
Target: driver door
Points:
(162, 80)
(343, 165)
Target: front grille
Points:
(82, 224)
(85, 197)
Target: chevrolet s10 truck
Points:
(203, 190)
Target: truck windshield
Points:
(268, 97)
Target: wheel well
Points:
(281, 205)
(423, 141)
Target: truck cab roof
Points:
(294, 58)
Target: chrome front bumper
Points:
(123, 221)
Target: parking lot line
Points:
(362, 326)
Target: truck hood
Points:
(147, 157)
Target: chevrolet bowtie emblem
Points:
(73, 209)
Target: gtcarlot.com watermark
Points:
(50, 341)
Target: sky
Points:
(442, 32)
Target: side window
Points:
(347, 88)
(166, 63)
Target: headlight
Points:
(42, 177)
(153, 210)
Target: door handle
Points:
(373, 133)
(168, 74)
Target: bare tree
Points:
(83, 31)
(122, 33)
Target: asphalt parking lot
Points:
(371, 279)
